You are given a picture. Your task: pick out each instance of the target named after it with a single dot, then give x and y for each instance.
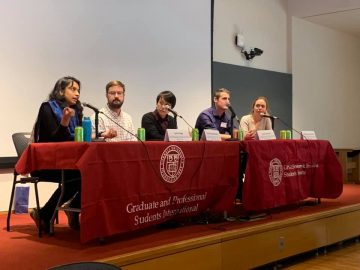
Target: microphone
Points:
(90, 106)
(233, 114)
(285, 124)
(167, 106)
(269, 116)
(171, 110)
(96, 110)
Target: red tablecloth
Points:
(130, 185)
(281, 172)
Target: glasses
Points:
(111, 93)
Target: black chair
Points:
(21, 141)
(62, 206)
(86, 266)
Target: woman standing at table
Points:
(157, 122)
(56, 122)
(254, 121)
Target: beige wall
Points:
(263, 24)
(149, 45)
(326, 83)
(152, 46)
(325, 63)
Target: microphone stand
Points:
(96, 125)
(287, 125)
(97, 139)
(96, 111)
(176, 115)
(175, 119)
(232, 125)
(273, 118)
(233, 116)
(185, 121)
(132, 134)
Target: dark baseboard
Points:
(8, 162)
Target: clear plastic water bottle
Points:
(87, 129)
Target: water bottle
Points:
(195, 134)
(240, 134)
(79, 134)
(87, 129)
(141, 134)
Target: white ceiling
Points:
(347, 21)
(341, 15)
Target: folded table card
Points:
(177, 135)
(308, 135)
(263, 135)
(210, 135)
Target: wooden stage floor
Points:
(237, 244)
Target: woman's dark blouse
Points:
(48, 128)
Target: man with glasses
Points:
(114, 124)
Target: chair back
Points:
(86, 266)
(21, 141)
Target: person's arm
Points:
(245, 126)
(202, 122)
(224, 137)
(152, 132)
(104, 131)
(205, 122)
(268, 124)
(49, 129)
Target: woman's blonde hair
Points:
(266, 102)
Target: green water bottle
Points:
(240, 134)
(288, 134)
(282, 134)
(195, 134)
(79, 134)
(141, 134)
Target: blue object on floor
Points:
(21, 199)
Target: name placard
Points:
(264, 135)
(177, 135)
(210, 135)
(308, 135)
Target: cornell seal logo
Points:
(172, 163)
(275, 171)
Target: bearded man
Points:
(112, 118)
